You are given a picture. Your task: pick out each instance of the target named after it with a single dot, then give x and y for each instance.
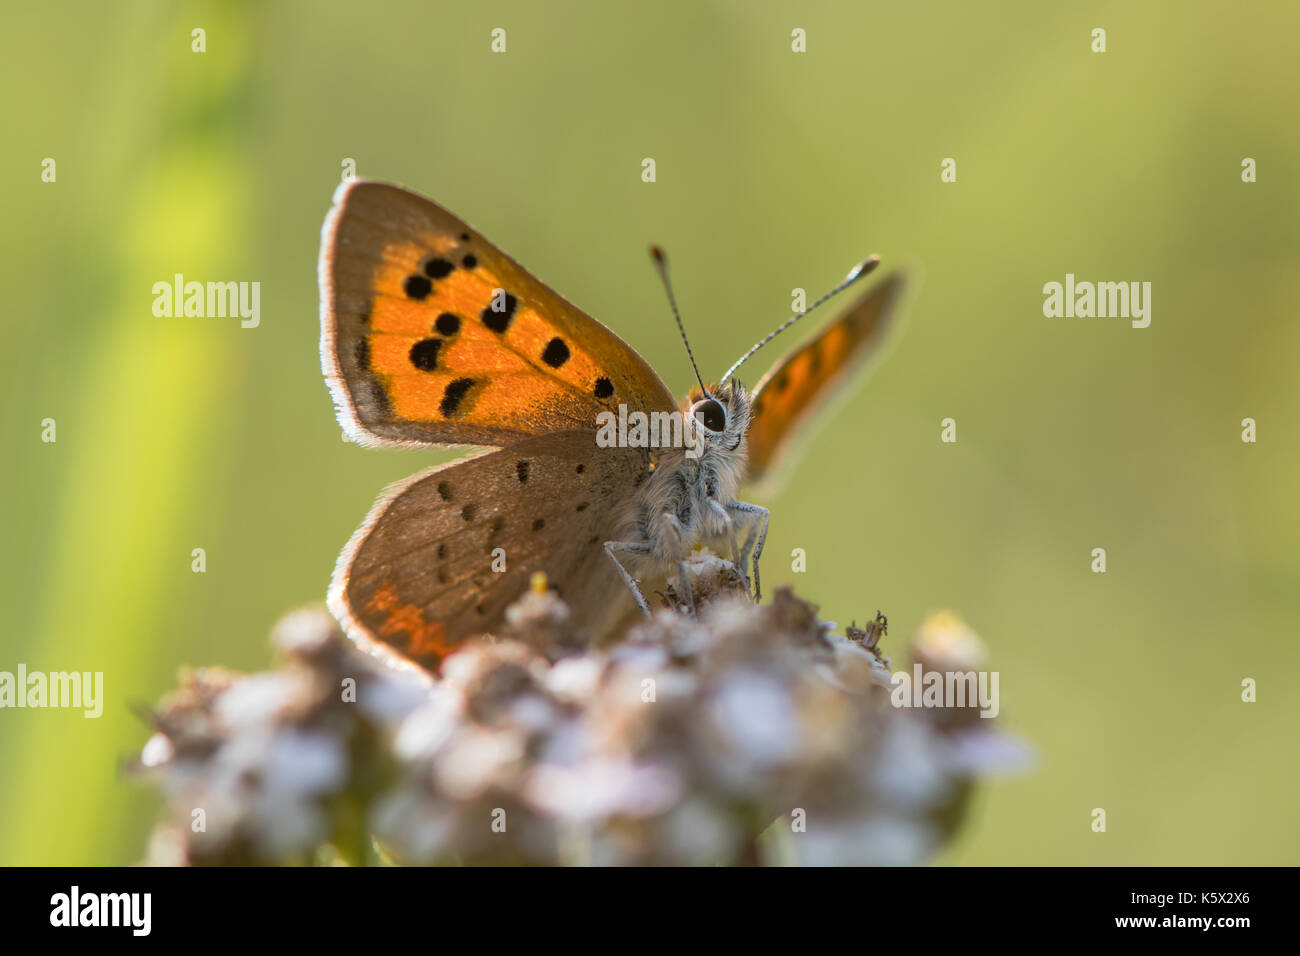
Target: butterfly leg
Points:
(750, 535)
(737, 557)
(759, 517)
(630, 547)
(684, 585)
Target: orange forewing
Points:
(430, 334)
(804, 380)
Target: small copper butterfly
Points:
(430, 335)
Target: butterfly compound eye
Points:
(710, 414)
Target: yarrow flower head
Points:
(742, 734)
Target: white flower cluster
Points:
(744, 735)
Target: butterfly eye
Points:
(710, 414)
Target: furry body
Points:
(689, 501)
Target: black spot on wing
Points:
(454, 395)
(500, 312)
(438, 268)
(447, 324)
(417, 287)
(424, 354)
(556, 353)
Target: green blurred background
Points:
(775, 170)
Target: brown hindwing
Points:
(443, 553)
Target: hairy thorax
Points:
(684, 500)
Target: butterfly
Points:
(431, 336)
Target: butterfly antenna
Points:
(661, 263)
(856, 273)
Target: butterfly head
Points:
(720, 414)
